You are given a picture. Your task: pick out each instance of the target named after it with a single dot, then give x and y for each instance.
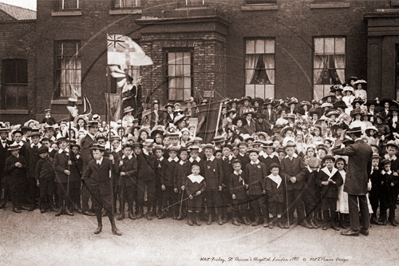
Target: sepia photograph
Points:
(199, 132)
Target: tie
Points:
(98, 163)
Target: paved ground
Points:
(43, 239)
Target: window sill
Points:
(127, 11)
(63, 102)
(330, 5)
(259, 7)
(394, 3)
(14, 112)
(66, 13)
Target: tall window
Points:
(179, 74)
(126, 3)
(328, 64)
(260, 68)
(68, 68)
(15, 84)
(66, 4)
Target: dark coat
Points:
(213, 173)
(85, 151)
(359, 167)
(269, 160)
(13, 173)
(274, 193)
(168, 178)
(99, 176)
(331, 190)
(244, 160)
(45, 169)
(295, 168)
(32, 155)
(60, 165)
(192, 188)
(183, 169)
(227, 170)
(237, 186)
(76, 167)
(270, 118)
(129, 166)
(4, 154)
(146, 167)
(254, 174)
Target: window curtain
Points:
(318, 68)
(339, 61)
(269, 66)
(250, 65)
(70, 77)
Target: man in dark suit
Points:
(98, 179)
(85, 151)
(357, 178)
(270, 114)
(168, 116)
(4, 154)
(48, 118)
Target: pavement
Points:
(32, 238)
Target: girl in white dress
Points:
(342, 203)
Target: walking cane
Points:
(286, 200)
(181, 204)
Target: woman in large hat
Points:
(383, 129)
(143, 134)
(257, 105)
(360, 89)
(240, 123)
(348, 98)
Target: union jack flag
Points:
(116, 43)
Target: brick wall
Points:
(18, 42)
(221, 60)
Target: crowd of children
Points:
(271, 163)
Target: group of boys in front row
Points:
(259, 185)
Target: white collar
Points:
(265, 155)
(358, 139)
(277, 179)
(195, 179)
(330, 174)
(192, 160)
(38, 145)
(383, 172)
(310, 169)
(294, 156)
(129, 157)
(145, 152)
(211, 159)
(61, 151)
(182, 162)
(242, 155)
(393, 158)
(254, 163)
(176, 159)
(100, 161)
(238, 173)
(160, 159)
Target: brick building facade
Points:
(203, 48)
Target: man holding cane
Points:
(357, 179)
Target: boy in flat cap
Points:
(213, 173)
(45, 175)
(294, 167)
(255, 173)
(127, 181)
(62, 173)
(15, 173)
(99, 173)
(237, 187)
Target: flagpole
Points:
(109, 136)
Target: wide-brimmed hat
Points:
(357, 100)
(333, 98)
(235, 120)
(392, 143)
(292, 100)
(307, 103)
(157, 130)
(83, 117)
(259, 100)
(332, 112)
(231, 111)
(14, 147)
(146, 129)
(348, 88)
(284, 130)
(243, 99)
(354, 130)
(128, 109)
(356, 112)
(169, 105)
(315, 111)
(326, 105)
(178, 118)
(360, 81)
(371, 128)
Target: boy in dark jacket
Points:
(255, 173)
(376, 192)
(213, 173)
(237, 187)
(183, 169)
(389, 182)
(311, 194)
(329, 179)
(195, 185)
(45, 175)
(275, 189)
(167, 179)
(160, 167)
(15, 172)
(127, 181)
(32, 156)
(75, 177)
